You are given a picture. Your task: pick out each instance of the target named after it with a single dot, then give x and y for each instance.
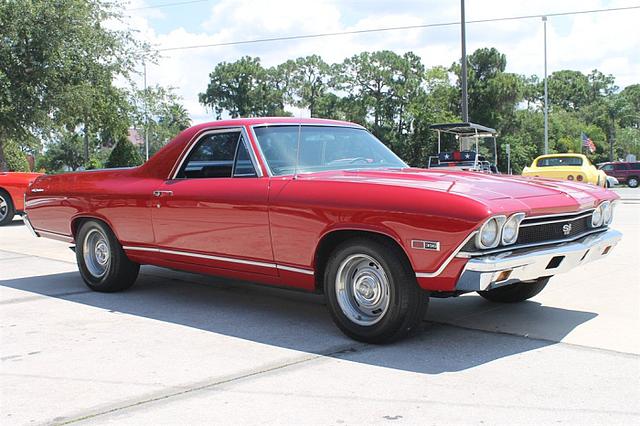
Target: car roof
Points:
(566, 154)
(464, 129)
(254, 121)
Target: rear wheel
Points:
(371, 291)
(102, 262)
(632, 181)
(7, 210)
(515, 293)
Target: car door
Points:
(213, 211)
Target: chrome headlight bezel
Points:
(597, 215)
(514, 221)
(607, 212)
(499, 222)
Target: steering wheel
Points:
(359, 160)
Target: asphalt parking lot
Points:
(186, 349)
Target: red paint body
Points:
(16, 184)
(260, 228)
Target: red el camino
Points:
(13, 186)
(323, 206)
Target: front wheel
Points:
(515, 293)
(102, 262)
(371, 291)
(7, 210)
(632, 182)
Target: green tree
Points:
(242, 89)
(158, 112)
(628, 142)
(16, 159)
(493, 93)
(58, 64)
(124, 154)
(310, 78)
(64, 153)
(569, 90)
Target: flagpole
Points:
(546, 92)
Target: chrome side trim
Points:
(448, 260)
(54, 236)
(468, 254)
(566, 219)
(220, 258)
(201, 256)
(298, 270)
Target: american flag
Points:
(588, 143)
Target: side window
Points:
(607, 167)
(243, 166)
(634, 166)
(214, 156)
(619, 167)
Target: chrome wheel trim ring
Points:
(4, 208)
(362, 289)
(97, 253)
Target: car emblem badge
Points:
(566, 229)
(425, 245)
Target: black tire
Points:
(515, 293)
(118, 272)
(632, 181)
(407, 302)
(7, 209)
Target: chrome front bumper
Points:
(491, 271)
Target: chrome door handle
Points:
(162, 193)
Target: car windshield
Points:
(559, 161)
(322, 148)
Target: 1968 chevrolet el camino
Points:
(323, 206)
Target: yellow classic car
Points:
(566, 166)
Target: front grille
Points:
(538, 230)
(559, 229)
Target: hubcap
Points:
(362, 289)
(4, 208)
(633, 182)
(97, 253)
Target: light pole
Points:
(546, 92)
(146, 118)
(463, 62)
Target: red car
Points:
(13, 186)
(323, 206)
(628, 173)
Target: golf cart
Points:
(468, 156)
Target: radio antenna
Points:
(295, 170)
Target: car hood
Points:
(498, 192)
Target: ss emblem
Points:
(566, 229)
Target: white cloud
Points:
(606, 41)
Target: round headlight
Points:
(607, 213)
(511, 228)
(489, 234)
(596, 217)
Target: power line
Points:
(406, 27)
(157, 6)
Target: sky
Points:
(607, 41)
